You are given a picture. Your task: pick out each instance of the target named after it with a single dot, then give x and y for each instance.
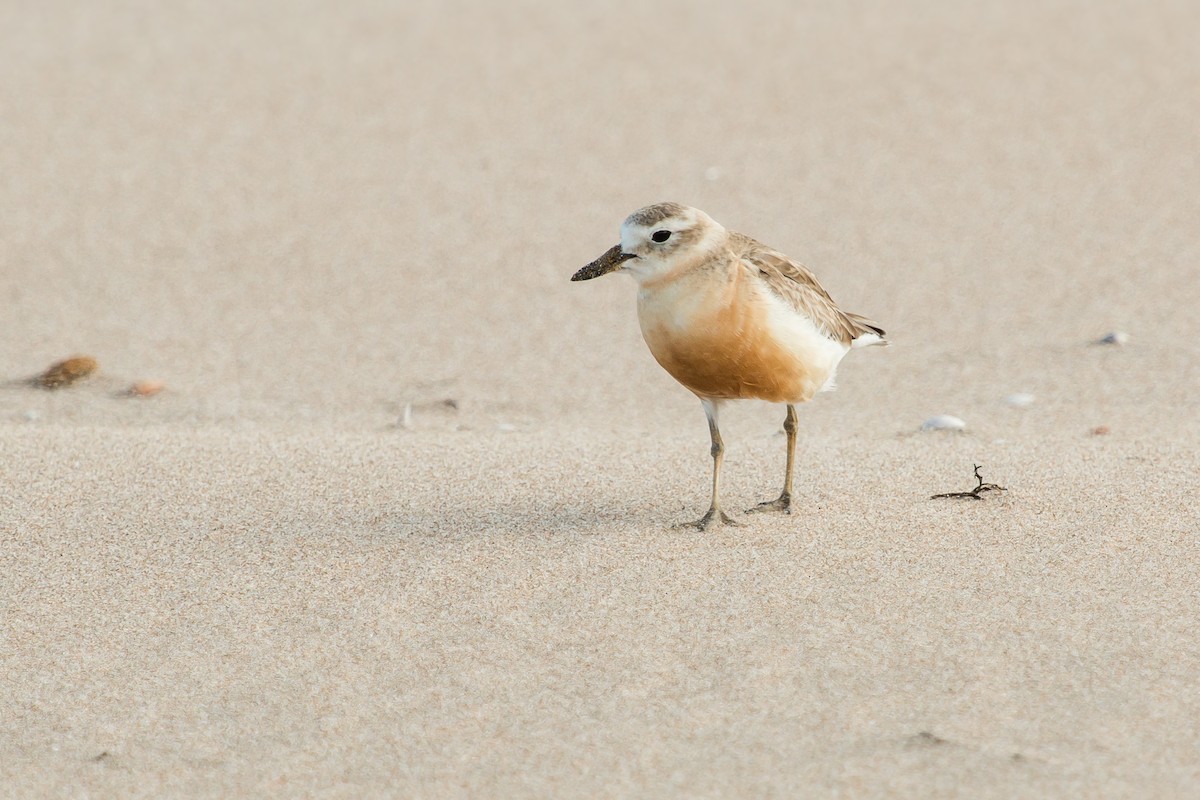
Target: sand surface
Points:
(399, 525)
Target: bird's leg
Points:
(784, 501)
(714, 512)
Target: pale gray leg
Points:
(784, 502)
(714, 512)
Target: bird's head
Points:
(656, 241)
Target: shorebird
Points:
(731, 319)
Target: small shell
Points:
(64, 373)
(712, 174)
(1020, 400)
(147, 388)
(1116, 337)
(943, 422)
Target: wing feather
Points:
(795, 284)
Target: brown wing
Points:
(795, 284)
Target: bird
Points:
(731, 319)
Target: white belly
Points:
(804, 340)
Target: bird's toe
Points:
(781, 505)
(710, 519)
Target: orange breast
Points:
(722, 347)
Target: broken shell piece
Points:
(146, 388)
(943, 422)
(64, 373)
(1116, 337)
(1020, 400)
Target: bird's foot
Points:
(708, 520)
(782, 504)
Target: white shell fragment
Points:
(1020, 400)
(1116, 337)
(943, 422)
(712, 174)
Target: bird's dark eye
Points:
(661, 236)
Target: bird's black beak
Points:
(609, 262)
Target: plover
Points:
(731, 319)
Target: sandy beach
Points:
(399, 523)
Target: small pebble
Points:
(943, 422)
(1116, 337)
(66, 372)
(1020, 400)
(146, 388)
(1100, 430)
(506, 427)
(31, 415)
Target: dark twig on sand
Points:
(974, 494)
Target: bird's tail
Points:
(871, 335)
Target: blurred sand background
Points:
(305, 218)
